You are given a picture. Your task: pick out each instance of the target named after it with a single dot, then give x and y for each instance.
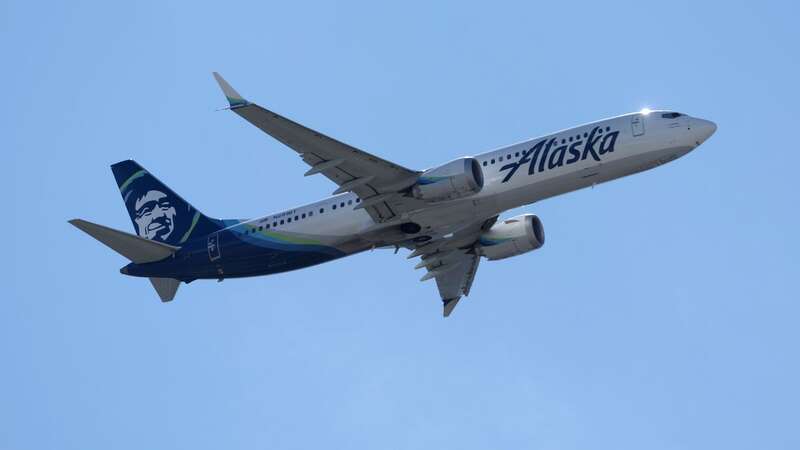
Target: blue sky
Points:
(662, 312)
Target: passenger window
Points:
(349, 202)
(310, 213)
(296, 218)
(303, 216)
(334, 206)
(260, 228)
(289, 220)
(516, 154)
(281, 222)
(341, 204)
(274, 224)
(492, 161)
(321, 210)
(485, 163)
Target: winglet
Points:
(233, 97)
(449, 305)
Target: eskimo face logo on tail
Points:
(550, 153)
(154, 214)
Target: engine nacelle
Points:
(512, 237)
(456, 179)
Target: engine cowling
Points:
(456, 179)
(512, 237)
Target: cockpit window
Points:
(671, 115)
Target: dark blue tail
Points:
(156, 211)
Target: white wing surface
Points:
(375, 180)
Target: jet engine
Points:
(456, 179)
(512, 237)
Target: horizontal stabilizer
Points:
(135, 248)
(166, 287)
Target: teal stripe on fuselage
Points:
(285, 242)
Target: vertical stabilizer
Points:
(157, 212)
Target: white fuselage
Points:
(514, 176)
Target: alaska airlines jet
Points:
(446, 215)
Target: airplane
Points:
(448, 215)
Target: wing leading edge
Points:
(375, 180)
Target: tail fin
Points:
(156, 211)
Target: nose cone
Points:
(703, 129)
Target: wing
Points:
(375, 180)
(454, 279)
(453, 262)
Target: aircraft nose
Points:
(703, 129)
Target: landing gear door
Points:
(214, 251)
(637, 125)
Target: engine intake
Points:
(512, 237)
(456, 179)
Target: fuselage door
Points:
(637, 125)
(214, 251)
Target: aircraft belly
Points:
(276, 262)
(446, 217)
(249, 254)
